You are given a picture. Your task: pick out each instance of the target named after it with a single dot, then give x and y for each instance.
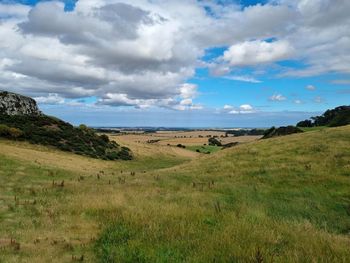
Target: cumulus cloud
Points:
(257, 52)
(142, 53)
(13, 11)
(277, 97)
(52, 98)
(184, 101)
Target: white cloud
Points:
(184, 101)
(298, 102)
(142, 54)
(246, 107)
(277, 97)
(228, 107)
(243, 109)
(243, 78)
(188, 91)
(52, 98)
(310, 87)
(251, 53)
(14, 11)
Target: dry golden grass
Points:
(42, 155)
(190, 138)
(204, 133)
(139, 146)
(279, 200)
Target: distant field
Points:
(204, 133)
(278, 200)
(191, 138)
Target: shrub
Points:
(306, 123)
(15, 133)
(214, 142)
(83, 127)
(281, 131)
(104, 138)
(4, 130)
(81, 140)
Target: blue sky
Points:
(178, 63)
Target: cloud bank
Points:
(144, 53)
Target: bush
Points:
(306, 123)
(281, 131)
(104, 138)
(83, 127)
(15, 133)
(81, 140)
(9, 132)
(4, 130)
(214, 142)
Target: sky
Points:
(178, 63)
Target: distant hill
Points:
(338, 116)
(20, 119)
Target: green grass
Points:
(284, 199)
(204, 148)
(150, 163)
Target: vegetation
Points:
(204, 148)
(281, 131)
(213, 141)
(316, 128)
(280, 200)
(51, 131)
(246, 132)
(338, 116)
(11, 133)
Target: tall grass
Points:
(278, 200)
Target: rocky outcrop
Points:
(15, 104)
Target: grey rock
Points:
(15, 104)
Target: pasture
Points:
(278, 200)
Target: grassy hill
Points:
(284, 199)
(338, 116)
(50, 131)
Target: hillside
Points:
(20, 119)
(338, 116)
(50, 131)
(276, 200)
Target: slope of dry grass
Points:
(278, 200)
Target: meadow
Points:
(283, 199)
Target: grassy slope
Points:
(317, 128)
(284, 200)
